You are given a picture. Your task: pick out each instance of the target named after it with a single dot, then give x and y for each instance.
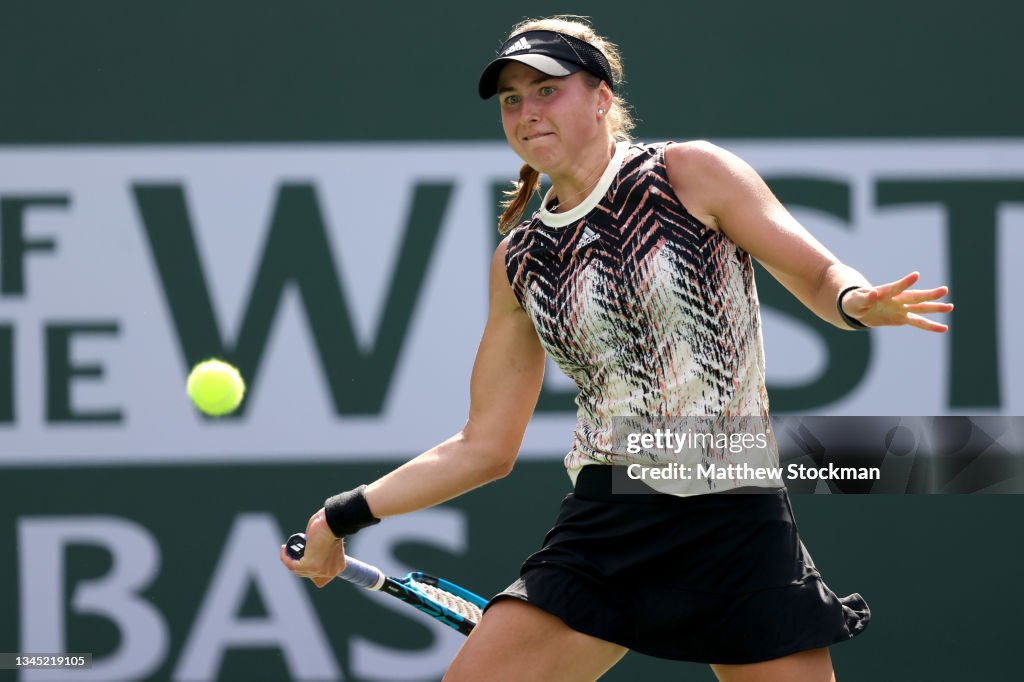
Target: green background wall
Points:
(121, 71)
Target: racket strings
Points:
(450, 601)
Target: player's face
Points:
(548, 119)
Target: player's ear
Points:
(605, 98)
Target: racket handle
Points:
(364, 575)
(356, 572)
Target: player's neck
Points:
(573, 188)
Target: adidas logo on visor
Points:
(517, 46)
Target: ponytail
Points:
(519, 198)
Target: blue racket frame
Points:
(404, 589)
(372, 578)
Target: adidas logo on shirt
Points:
(588, 238)
(517, 46)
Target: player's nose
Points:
(531, 110)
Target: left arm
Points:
(725, 193)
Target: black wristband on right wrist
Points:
(348, 512)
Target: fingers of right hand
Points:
(288, 562)
(921, 295)
(321, 563)
(891, 289)
(926, 324)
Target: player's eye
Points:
(547, 90)
(511, 100)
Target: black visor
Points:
(555, 54)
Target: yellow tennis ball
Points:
(215, 387)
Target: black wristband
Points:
(348, 512)
(851, 321)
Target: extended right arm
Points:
(506, 381)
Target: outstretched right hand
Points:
(325, 553)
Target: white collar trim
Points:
(593, 199)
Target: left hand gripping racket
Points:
(454, 606)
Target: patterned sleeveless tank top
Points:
(654, 316)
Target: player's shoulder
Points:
(696, 154)
(522, 232)
(703, 175)
(701, 162)
(512, 243)
(501, 250)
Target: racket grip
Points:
(295, 546)
(356, 572)
(364, 575)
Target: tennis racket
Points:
(454, 606)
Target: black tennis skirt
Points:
(715, 578)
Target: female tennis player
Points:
(636, 277)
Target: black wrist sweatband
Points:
(851, 321)
(348, 512)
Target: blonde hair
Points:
(620, 120)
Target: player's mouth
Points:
(535, 136)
